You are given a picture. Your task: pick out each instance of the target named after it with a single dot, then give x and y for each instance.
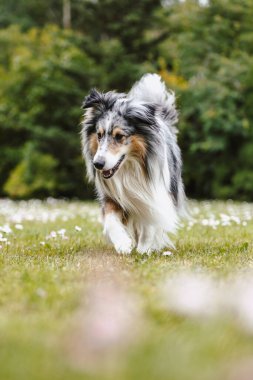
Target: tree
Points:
(203, 52)
(66, 11)
(44, 76)
(210, 51)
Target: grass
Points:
(71, 308)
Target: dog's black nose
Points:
(99, 163)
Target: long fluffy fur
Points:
(153, 201)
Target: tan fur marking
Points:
(116, 131)
(110, 206)
(138, 147)
(93, 143)
(114, 148)
(100, 130)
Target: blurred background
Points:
(53, 51)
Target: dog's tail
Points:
(151, 89)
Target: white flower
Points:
(238, 297)
(110, 323)
(52, 235)
(41, 293)
(236, 219)
(167, 253)
(6, 229)
(190, 294)
(61, 232)
(19, 227)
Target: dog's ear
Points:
(101, 101)
(140, 113)
(94, 99)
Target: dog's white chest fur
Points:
(148, 205)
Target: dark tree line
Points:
(52, 52)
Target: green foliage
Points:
(35, 175)
(29, 13)
(211, 49)
(50, 301)
(44, 77)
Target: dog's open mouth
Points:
(109, 173)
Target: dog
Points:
(129, 143)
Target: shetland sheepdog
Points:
(130, 147)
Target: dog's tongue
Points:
(106, 173)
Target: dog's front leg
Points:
(146, 238)
(114, 228)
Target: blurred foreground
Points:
(71, 308)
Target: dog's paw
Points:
(124, 245)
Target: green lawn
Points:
(71, 308)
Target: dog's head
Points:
(115, 130)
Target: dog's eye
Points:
(99, 135)
(118, 137)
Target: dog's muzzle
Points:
(99, 163)
(109, 173)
